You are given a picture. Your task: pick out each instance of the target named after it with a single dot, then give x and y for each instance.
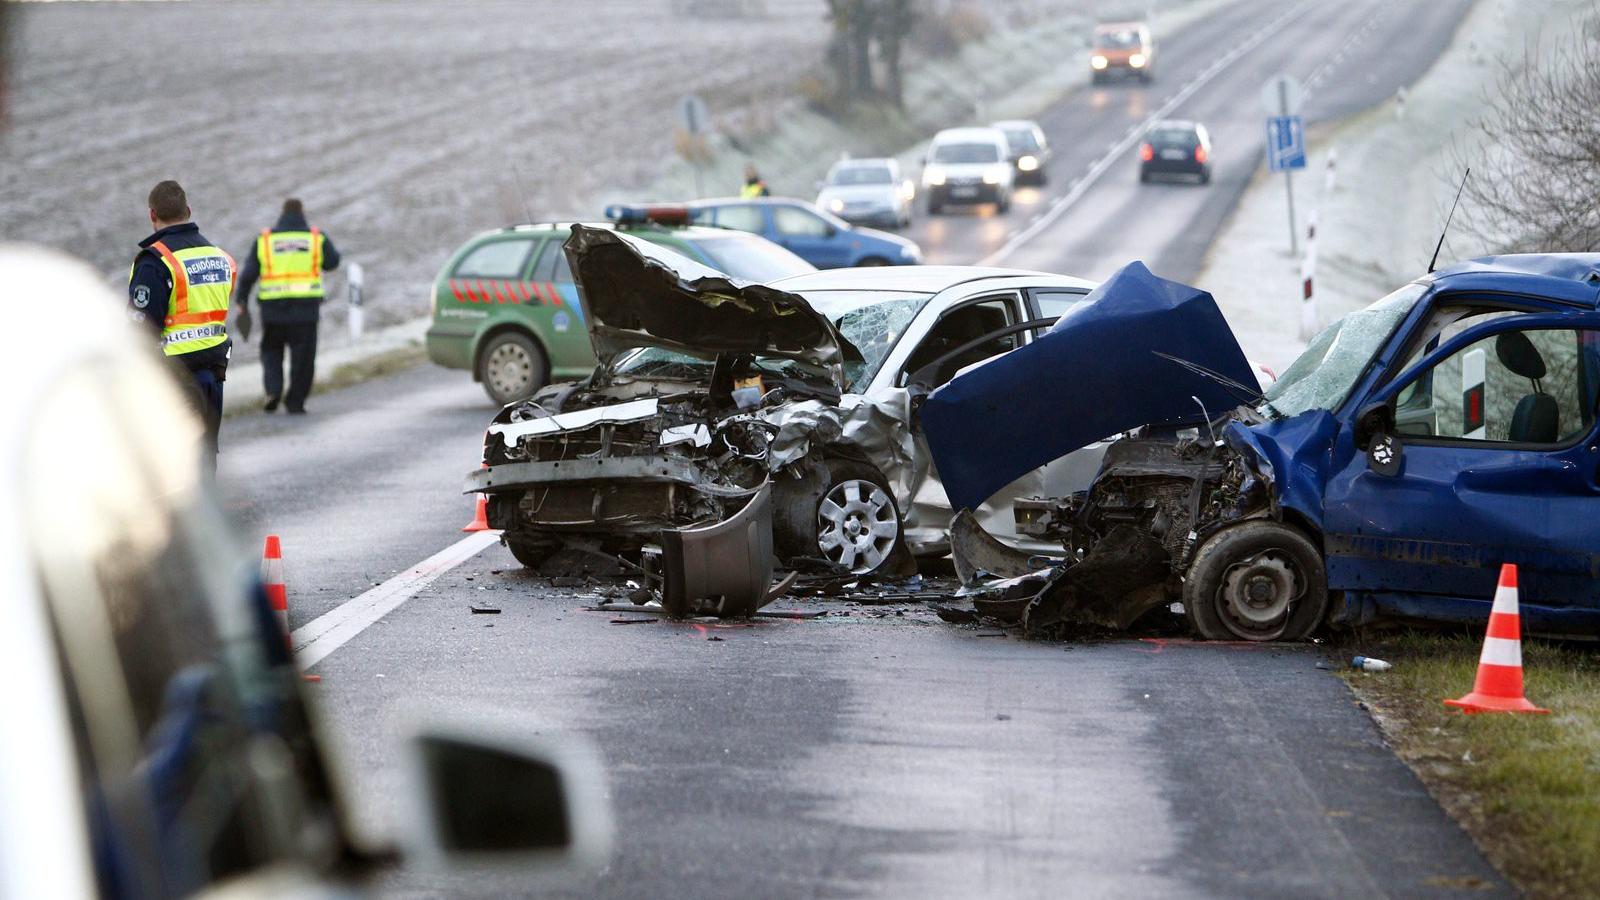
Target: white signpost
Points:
(1282, 97)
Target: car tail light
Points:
(1147, 152)
(1199, 154)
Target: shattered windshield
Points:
(860, 174)
(1323, 376)
(869, 321)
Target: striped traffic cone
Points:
(1498, 687)
(272, 579)
(480, 519)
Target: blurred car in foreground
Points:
(1027, 149)
(968, 166)
(816, 236)
(804, 389)
(1411, 449)
(1176, 147)
(868, 192)
(504, 306)
(1122, 48)
(158, 744)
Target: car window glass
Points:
(563, 269)
(1055, 304)
(1328, 369)
(1534, 386)
(860, 174)
(792, 221)
(545, 268)
(495, 259)
(741, 217)
(957, 154)
(752, 258)
(186, 752)
(957, 327)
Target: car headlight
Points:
(910, 251)
(1136, 60)
(934, 177)
(836, 205)
(1097, 61)
(993, 176)
(1028, 163)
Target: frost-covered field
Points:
(398, 123)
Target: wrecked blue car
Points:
(1412, 448)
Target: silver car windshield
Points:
(870, 321)
(1323, 376)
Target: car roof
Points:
(1119, 26)
(954, 135)
(1174, 123)
(1565, 277)
(865, 161)
(688, 232)
(917, 279)
(1014, 123)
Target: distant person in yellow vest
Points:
(753, 185)
(287, 263)
(179, 285)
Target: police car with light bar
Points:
(505, 307)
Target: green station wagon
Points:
(505, 308)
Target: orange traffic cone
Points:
(272, 578)
(480, 519)
(1498, 687)
(278, 591)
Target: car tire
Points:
(812, 514)
(1097, 78)
(529, 552)
(511, 367)
(1259, 580)
(1205, 176)
(1003, 205)
(873, 261)
(934, 209)
(1144, 177)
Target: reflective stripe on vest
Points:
(197, 311)
(291, 264)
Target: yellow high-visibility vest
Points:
(197, 310)
(753, 189)
(291, 264)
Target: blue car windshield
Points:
(1323, 376)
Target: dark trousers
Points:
(205, 395)
(301, 339)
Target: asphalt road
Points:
(879, 753)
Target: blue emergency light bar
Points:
(657, 213)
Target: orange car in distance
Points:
(1122, 48)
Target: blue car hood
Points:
(1093, 374)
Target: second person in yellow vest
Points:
(285, 265)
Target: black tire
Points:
(1144, 177)
(1256, 581)
(1097, 78)
(934, 209)
(512, 367)
(1003, 206)
(1205, 176)
(530, 553)
(873, 261)
(800, 520)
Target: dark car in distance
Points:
(1176, 147)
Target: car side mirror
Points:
(1374, 433)
(506, 797)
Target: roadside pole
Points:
(1286, 147)
(1308, 275)
(356, 318)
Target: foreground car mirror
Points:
(506, 797)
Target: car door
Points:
(810, 237)
(1506, 469)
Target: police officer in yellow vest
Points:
(753, 185)
(287, 263)
(179, 285)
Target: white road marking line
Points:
(328, 632)
(1081, 187)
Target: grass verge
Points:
(1527, 788)
(385, 363)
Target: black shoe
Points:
(297, 410)
(271, 405)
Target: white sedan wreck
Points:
(719, 406)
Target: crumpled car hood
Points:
(638, 294)
(1095, 373)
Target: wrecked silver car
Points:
(711, 390)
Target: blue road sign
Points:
(1286, 143)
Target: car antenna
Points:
(516, 173)
(1432, 263)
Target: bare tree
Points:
(1535, 152)
(864, 30)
